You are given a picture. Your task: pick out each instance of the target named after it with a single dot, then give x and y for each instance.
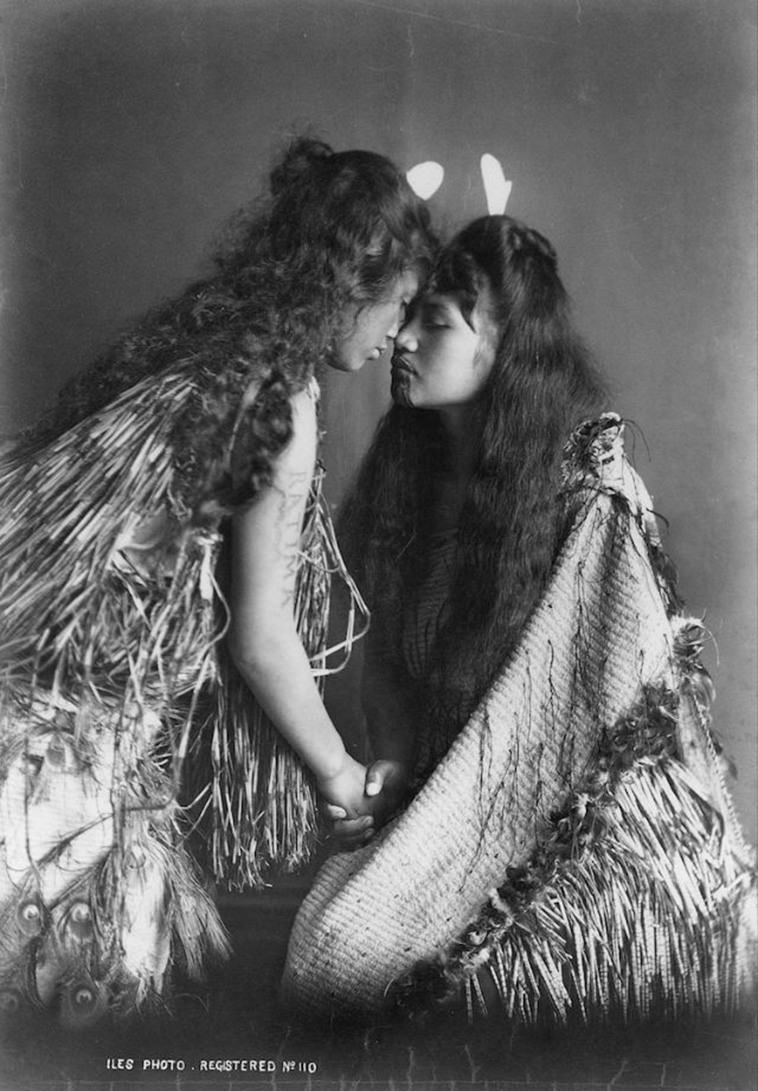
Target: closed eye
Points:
(434, 315)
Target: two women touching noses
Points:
(441, 361)
(164, 598)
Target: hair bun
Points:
(299, 159)
(525, 238)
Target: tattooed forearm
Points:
(289, 528)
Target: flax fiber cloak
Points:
(576, 854)
(136, 769)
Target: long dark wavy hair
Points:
(543, 383)
(335, 230)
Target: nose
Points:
(398, 321)
(406, 337)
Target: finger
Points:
(374, 782)
(334, 812)
(349, 828)
(355, 825)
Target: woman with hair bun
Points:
(166, 563)
(563, 849)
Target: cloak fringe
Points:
(575, 856)
(118, 700)
(640, 900)
(635, 906)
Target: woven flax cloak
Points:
(116, 694)
(577, 844)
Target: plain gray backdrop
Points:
(133, 128)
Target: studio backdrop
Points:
(133, 128)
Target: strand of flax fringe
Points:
(100, 901)
(580, 849)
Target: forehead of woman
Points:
(435, 303)
(458, 276)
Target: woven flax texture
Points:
(114, 685)
(600, 642)
(373, 913)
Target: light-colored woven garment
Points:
(598, 638)
(114, 688)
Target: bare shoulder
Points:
(304, 407)
(299, 456)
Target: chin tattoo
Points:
(400, 390)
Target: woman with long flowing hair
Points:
(559, 843)
(167, 555)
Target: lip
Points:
(399, 363)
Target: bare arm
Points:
(264, 641)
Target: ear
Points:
(425, 178)
(497, 188)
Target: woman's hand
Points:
(387, 783)
(344, 791)
(384, 787)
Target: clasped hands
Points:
(358, 800)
